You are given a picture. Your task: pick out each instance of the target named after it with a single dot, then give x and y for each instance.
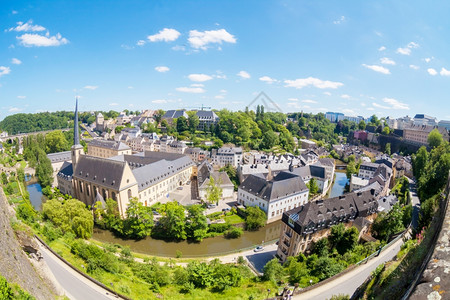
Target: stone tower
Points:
(77, 148)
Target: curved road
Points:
(348, 283)
(76, 286)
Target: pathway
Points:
(76, 286)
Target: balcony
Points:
(288, 234)
(286, 242)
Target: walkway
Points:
(415, 203)
(348, 283)
(76, 286)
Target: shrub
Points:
(233, 233)
(219, 227)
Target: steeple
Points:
(76, 138)
(77, 149)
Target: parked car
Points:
(259, 248)
(211, 205)
(179, 188)
(155, 213)
(226, 209)
(188, 182)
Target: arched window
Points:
(104, 194)
(114, 196)
(129, 194)
(81, 187)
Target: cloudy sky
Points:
(391, 58)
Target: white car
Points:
(259, 248)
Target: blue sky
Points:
(390, 58)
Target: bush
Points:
(26, 212)
(233, 233)
(255, 219)
(219, 227)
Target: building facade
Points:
(106, 149)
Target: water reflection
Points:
(208, 247)
(36, 196)
(339, 185)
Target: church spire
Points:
(76, 138)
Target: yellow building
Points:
(106, 149)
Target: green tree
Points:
(70, 215)
(172, 222)
(387, 149)
(269, 140)
(420, 160)
(255, 218)
(434, 138)
(5, 290)
(213, 191)
(361, 125)
(197, 224)
(182, 124)
(386, 130)
(200, 274)
(56, 141)
(193, 121)
(351, 169)
(388, 224)
(273, 271)
(4, 178)
(139, 221)
(313, 187)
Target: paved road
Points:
(415, 203)
(75, 286)
(348, 283)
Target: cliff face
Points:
(15, 266)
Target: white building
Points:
(227, 156)
(367, 170)
(284, 192)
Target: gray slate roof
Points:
(66, 171)
(114, 145)
(282, 185)
(59, 157)
(101, 171)
(174, 114)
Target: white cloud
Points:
(243, 75)
(293, 105)
(21, 97)
(91, 87)
(407, 50)
(376, 68)
(16, 61)
(311, 81)
(395, 104)
(432, 71)
(428, 59)
(268, 79)
(30, 40)
(199, 77)
(162, 69)
(219, 97)
(349, 111)
(131, 87)
(340, 20)
(382, 48)
(178, 48)
(370, 108)
(201, 39)
(4, 70)
(113, 104)
(223, 91)
(445, 72)
(309, 101)
(380, 106)
(387, 61)
(414, 67)
(327, 93)
(166, 35)
(197, 85)
(140, 43)
(28, 26)
(293, 99)
(159, 101)
(14, 109)
(345, 96)
(14, 12)
(193, 90)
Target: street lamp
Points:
(268, 292)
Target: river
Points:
(35, 191)
(339, 184)
(208, 247)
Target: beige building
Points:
(305, 225)
(106, 149)
(419, 133)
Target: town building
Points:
(227, 155)
(221, 179)
(123, 118)
(422, 119)
(284, 192)
(418, 134)
(305, 225)
(57, 160)
(307, 144)
(445, 124)
(334, 117)
(367, 169)
(197, 154)
(206, 119)
(170, 115)
(106, 149)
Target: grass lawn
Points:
(234, 219)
